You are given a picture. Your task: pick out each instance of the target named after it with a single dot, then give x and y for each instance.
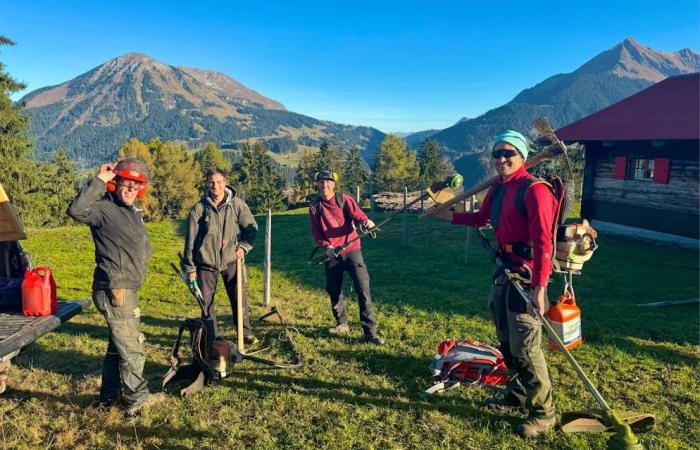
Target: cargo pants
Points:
(353, 263)
(122, 370)
(520, 337)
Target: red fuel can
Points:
(39, 293)
(565, 318)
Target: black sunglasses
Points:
(502, 152)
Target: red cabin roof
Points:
(670, 109)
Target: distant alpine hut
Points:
(641, 170)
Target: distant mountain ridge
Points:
(609, 77)
(133, 95)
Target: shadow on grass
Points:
(363, 396)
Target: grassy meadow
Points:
(350, 394)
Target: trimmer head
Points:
(622, 424)
(596, 421)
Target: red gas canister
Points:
(39, 293)
(565, 318)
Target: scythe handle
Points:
(549, 152)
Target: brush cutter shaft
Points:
(320, 259)
(239, 305)
(555, 337)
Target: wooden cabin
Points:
(641, 169)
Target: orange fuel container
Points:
(565, 318)
(39, 293)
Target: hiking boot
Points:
(374, 339)
(151, 400)
(535, 427)
(250, 340)
(105, 403)
(341, 328)
(506, 404)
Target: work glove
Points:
(330, 252)
(368, 227)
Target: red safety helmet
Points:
(131, 169)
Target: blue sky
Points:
(397, 66)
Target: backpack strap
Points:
(496, 204)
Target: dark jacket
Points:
(122, 246)
(213, 234)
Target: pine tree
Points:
(260, 185)
(18, 174)
(433, 166)
(395, 166)
(210, 157)
(330, 156)
(355, 172)
(61, 191)
(174, 180)
(305, 182)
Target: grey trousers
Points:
(122, 370)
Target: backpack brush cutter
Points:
(437, 191)
(206, 347)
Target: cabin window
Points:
(643, 169)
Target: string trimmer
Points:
(621, 423)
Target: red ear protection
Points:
(130, 169)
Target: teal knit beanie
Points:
(515, 139)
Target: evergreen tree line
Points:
(395, 166)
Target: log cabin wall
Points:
(671, 207)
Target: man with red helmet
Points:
(122, 250)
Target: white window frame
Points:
(642, 169)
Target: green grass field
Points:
(350, 394)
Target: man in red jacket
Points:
(333, 219)
(521, 213)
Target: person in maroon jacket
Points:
(333, 219)
(522, 213)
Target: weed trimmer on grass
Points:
(213, 357)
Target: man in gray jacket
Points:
(220, 231)
(122, 249)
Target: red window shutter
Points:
(662, 170)
(620, 167)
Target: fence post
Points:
(267, 263)
(404, 234)
(469, 230)
(422, 189)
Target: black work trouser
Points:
(207, 280)
(353, 263)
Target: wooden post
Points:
(239, 305)
(267, 267)
(422, 188)
(469, 230)
(404, 234)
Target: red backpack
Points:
(468, 362)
